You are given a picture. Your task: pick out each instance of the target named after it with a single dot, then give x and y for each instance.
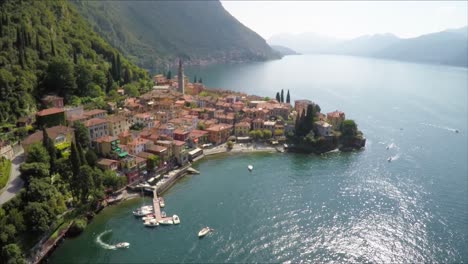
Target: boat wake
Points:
(102, 243)
(392, 145)
(441, 127)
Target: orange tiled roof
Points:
(50, 111)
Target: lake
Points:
(336, 207)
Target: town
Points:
(171, 125)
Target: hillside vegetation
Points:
(47, 47)
(155, 33)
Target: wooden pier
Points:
(157, 207)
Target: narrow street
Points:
(15, 183)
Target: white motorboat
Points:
(151, 223)
(122, 245)
(204, 231)
(140, 212)
(389, 159)
(250, 167)
(176, 219)
(148, 217)
(163, 214)
(166, 222)
(147, 207)
(161, 202)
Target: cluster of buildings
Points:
(175, 120)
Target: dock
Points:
(157, 208)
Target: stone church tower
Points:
(180, 78)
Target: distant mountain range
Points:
(155, 33)
(446, 47)
(284, 50)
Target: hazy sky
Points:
(348, 19)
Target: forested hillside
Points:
(47, 47)
(155, 33)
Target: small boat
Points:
(151, 223)
(148, 217)
(166, 222)
(147, 207)
(122, 245)
(161, 202)
(456, 131)
(176, 219)
(204, 231)
(389, 159)
(250, 167)
(163, 214)
(388, 147)
(140, 212)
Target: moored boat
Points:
(140, 212)
(176, 219)
(204, 231)
(166, 222)
(151, 223)
(148, 217)
(161, 202)
(250, 167)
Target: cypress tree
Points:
(195, 79)
(200, 80)
(119, 68)
(114, 67)
(278, 97)
(52, 48)
(75, 57)
(288, 98)
(109, 82)
(49, 146)
(169, 75)
(282, 96)
(75, 159)
(1, 26)
(82, 154)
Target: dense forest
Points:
(47, 47)
(155, 33)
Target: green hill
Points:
(47, 47)
(155, 33)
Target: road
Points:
(15, 183)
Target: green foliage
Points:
(278, 97)
(282, 96)
(153, 162)
(34, 170)
(349, 128)
(78, 226)
(91, 158)
(230, 144)
(81, 134)
(201, 126)
(11, 254)
(305, 121)
(288, 98)
(5, 170)
(112, 181)
(47, 47)
(190, 36)
(267, 134)
(256, 134)
(48, 144)
(37, 153)
(39, 216)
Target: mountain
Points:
(449, 47)
(283, 50)
(47, 47)
(365, 45)
(155, 33)
(304, 42)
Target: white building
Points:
(323, 128)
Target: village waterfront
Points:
(352, 206)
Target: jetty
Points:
(157, 207)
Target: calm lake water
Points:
(336, 207)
